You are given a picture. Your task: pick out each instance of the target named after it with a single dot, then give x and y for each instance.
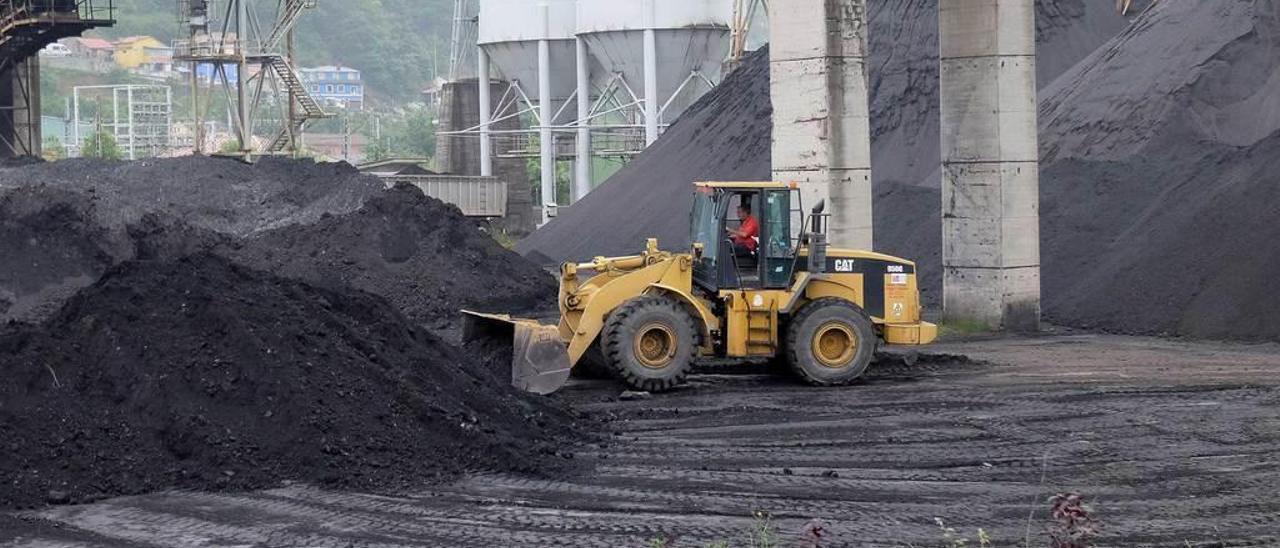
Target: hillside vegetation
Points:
(397, 43)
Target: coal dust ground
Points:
(1172, 443)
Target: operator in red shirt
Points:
(744, 238)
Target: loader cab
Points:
(777, 210)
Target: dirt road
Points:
(1172, 442)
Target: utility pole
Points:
(346, 139)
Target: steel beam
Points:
(582, 161)
(486, 109)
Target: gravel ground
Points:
(1171, 442)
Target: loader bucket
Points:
(539, 358)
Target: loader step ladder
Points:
(762, 330)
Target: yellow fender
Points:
(705, 318)
(602, 302)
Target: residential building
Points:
(335, 86)
(95, 54)
(143, 52)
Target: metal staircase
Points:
(310, 108)
(289, 14)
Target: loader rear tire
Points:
(650, 342)
(831, 342)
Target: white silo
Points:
(688, 40)
(530, 43)
(660, 54)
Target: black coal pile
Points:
(218, 194)
(1159, 187)
(63, 224)
(726, 136)
(199, 373)
(52, 247)
(419, 253)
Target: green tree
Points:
(377, 150)
(101, 144)
(419, 132)
(230, 146)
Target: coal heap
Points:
(52, 247)
(199, 373)
(1159, 188)
(63, 224)
(419, 253)
(219, 194)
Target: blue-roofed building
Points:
(335, 86)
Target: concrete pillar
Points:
(990, 169)
(486, 140)
(821, 129)
(582, 163)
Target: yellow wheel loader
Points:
(649, 317)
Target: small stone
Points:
(55, 496)
(786, 471)
(629, 395)
(830, 474)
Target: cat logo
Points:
(844, 265)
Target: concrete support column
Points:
(486, 141)
(990, 168)
(821, 130)
(546, 136)
(582, 163)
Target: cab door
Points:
(781, 217)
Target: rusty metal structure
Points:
(27, 26)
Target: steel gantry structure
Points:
(265, 86)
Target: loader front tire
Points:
(650, 342)
(831, 342)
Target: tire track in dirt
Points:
(1164, 462)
